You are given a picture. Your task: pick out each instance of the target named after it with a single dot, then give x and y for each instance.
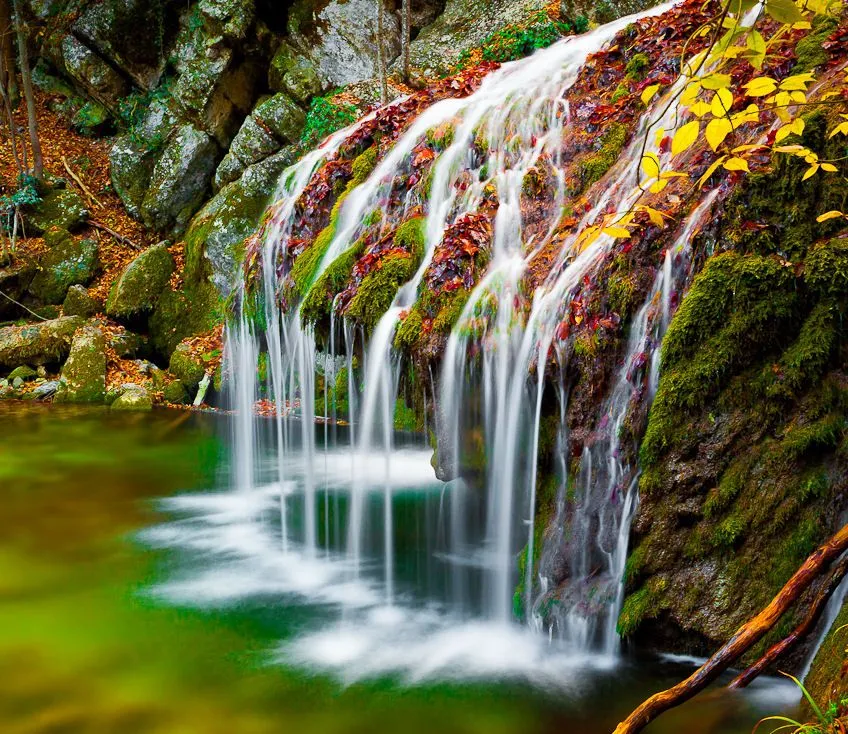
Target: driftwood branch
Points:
(746, 636)
(815, 610)
(91, 197)
(119, 237)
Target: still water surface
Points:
(108, 624)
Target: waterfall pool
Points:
(139, 594)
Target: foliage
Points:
(324, 117)
(827, 721)
(133, 108)
(26, 194)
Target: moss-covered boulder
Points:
(133, 398)
(83, 378)
(194, 309)
(281, 115)
(175, 392)
(186, 367)
(292, 72)
(46, 342)
(140, 285)
(230, 19)
(78, 302)
(60, 207)
(94, 76)
(24, 372)
(68, 262)
(180, 180)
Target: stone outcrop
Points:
(83, 378)
(46, 342)
(139, 286)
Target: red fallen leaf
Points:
(563, 330)
(665, 144)
(423, 156)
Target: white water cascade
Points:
(424, 573)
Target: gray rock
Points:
(339, 38)
(139, 286)
(133, 398)
(294, 73)
(44, 9)
(47, 342)
(17, 383)
(281, 116)
(62, 208)
(46, 390)
(94, 76)
(229, 169)
(180, 180)
(24, 372)
(231, 19)
(83, 378)
(186, 367)
(68, 262)
(79, 303)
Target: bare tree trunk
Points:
(381, 56)
(26, 80)
(8, 78)
(406, 12)
(746, 636)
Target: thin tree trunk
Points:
(8, 78)
(381, 56)
(776, 651)
(406, 12)
(26, 81)
(746, 636)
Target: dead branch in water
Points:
(746, 636)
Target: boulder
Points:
(134, 155)
(180, 180)
(230, 19)
(139, 286)
(194, 309)
(46, 390)
(292, 72)
(130, 34)
(47, 342)
(79, 303)
(83, 378)
(186, 367)
(281, 116)
(60, 207)
(91, 73)
(14, 282)
(24, 372)
(174, 392)
(218, 230)
(68, 262)
(133, 398)
(338, 37)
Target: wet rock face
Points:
(339, 38)
(138, 288)
(46, 342)
(99, 80)
(83, 377)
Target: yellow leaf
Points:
(833, 214)
(750, 114)
(651, 165)
(649, 92)
(782, 99)
(784, 11)
(756, 43)
(841, 129)
(798, 126)
(745, 148)
(711, 170)
(619, 232)
(783, 133)
(829, 167)
(797, 82)
(659, 186)
(791, 149)
(760, 86)
(690, 93)
(722, 102)
(737, 164)
(685, 137)
(654, 215)
(810, 171)
(802, 25)
(716, 81)
(717, 130)
(699, 109)
(674, 174)
(798, 97)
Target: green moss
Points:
(731, 484)
(377, 289)
(593, 168)
(319, 300)
(644, 604)
(441, 137)
(412, 237)
(729, 532)
(820, 435)
(637, 67)
(364, 164)
(409, 331)
(826, 269)
(450, 309)
(635, 563)
(404, 417)
(809, 52)
(621, 290)
(620, 91)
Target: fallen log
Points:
(779, 649)
(746, 636)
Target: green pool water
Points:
(84, 646)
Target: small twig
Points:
(78, 180)
(119, 237)
(21, 305)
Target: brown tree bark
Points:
(406, 13)
(26, 82)
(8, 78)
(746, 636)
(776, 651)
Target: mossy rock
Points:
(68, 262)
(175, 392)
(140, 285)
(282, 117)
(827, 680)
(61, 208)
(194, 309)
(378, 289)
(46, 342)
(594, 167)
(809, 53)
(83, 378)
(186, 367)
(24, 372)
(78, 302)
(133, 399)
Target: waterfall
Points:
(496, 366)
